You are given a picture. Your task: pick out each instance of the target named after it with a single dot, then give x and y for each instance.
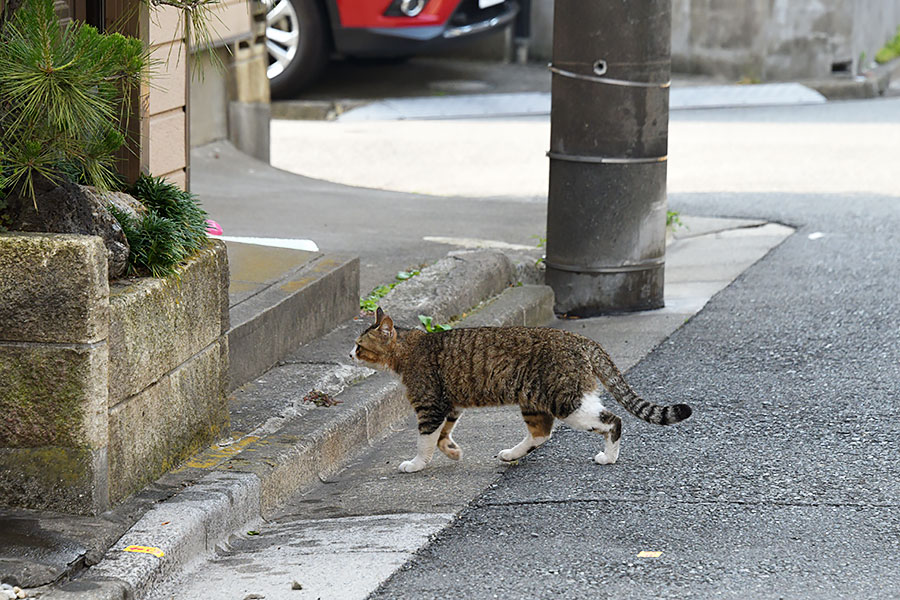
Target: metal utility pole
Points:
(606, 216)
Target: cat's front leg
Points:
(425, 447)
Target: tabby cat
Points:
(550, 374)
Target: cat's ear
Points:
(379, 315)
(386, 327)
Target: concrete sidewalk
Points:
(282, 444)
(367, 519)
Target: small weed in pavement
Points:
(673, 220)
(369, 304)
(431, 326)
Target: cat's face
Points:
(375, 343)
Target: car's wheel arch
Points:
(332, 15)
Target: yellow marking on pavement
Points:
(293, 286)
(324, 265)
(217, 454)
(649, 554)
(146, 550)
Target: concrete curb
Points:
(248, 486)
(450, 287)
(313, 110)
(870, 85)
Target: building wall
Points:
(234, 88)
(765, 39)
(779, 39)
(874, 23)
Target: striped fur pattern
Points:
(550, 374)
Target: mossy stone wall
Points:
(168, 364)
(54, 315)
(101, 392)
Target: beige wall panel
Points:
(167, 88)
(165, 25)
(233, 20)
(167, 142)
(178, 177)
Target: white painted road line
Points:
(308, 245)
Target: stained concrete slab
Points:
(280, 298)
(364, 550)
(254, 268)
(39, 547)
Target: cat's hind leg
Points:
(592, 416)
(445, 442)
(540, 428)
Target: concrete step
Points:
(280, 298)
(446, 291)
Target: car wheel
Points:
(297, 43)
(379, 60)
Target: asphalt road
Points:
(783, 484)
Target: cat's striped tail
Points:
(612, 379)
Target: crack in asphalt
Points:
(778, 503)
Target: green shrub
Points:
(171, 202)
(173, 228)
(890, 51)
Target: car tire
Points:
(298, 45)
(379, 60)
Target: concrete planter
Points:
(104, 387)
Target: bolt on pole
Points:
(606, 213)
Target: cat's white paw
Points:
(604, 459)
(509, 455)
(411, 466)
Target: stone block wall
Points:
(168, 369)
(766, 39)
(54, 356)
(779, 39)
(104, 388)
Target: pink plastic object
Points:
(213, 228)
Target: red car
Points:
(302, 34)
